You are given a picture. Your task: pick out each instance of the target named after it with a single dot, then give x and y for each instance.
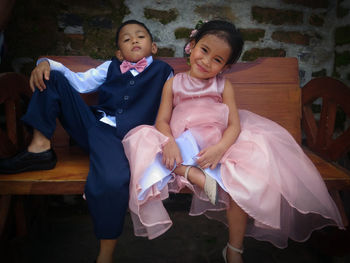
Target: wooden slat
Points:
(77, 63)
(335, 176)
(278, 102)
(270, 88)
(266, 70)
(71, 171)
(263, 70)
(68, 177)
(178, 64)
(319, 137)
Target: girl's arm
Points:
(171, 152)
(211, 156)
(233, 129)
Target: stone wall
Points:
(317, 32)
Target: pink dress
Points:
(265, 171)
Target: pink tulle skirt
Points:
(265, 172)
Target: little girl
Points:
(231, 159)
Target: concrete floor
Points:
(63, 233)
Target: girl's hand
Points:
(38, 74)
(210, 157)
(171, 154)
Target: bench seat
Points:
(72, 168)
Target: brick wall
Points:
(316, 32)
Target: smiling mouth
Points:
(202, 69)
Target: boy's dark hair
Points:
(226, 31)
(132, 21)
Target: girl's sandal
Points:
(186, 172)
(224, 251)
(210, 185)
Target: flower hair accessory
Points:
(193, 34)
(188, 48)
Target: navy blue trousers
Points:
(107, 186)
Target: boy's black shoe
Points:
(27, 161)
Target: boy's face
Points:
(134, 43)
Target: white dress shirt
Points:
(90, 80)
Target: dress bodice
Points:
(197, 104)
(186, 87)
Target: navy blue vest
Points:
(133, 100)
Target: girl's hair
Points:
(128, 22)
(224, 30)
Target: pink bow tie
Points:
(139, 66)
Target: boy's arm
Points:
(170, 75)
(83, 82)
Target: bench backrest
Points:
(267, 86)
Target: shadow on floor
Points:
(63, 233)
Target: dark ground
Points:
(60, 230)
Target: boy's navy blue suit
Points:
(133, 100)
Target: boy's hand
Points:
(210, 157)
(171, 154)
(38, 74)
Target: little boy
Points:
(129, 89)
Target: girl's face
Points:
(134, 43)
(208, 57)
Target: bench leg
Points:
(20, 217)
(17, 203)
(338, 201)
(5, 201)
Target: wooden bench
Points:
(267, 86)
